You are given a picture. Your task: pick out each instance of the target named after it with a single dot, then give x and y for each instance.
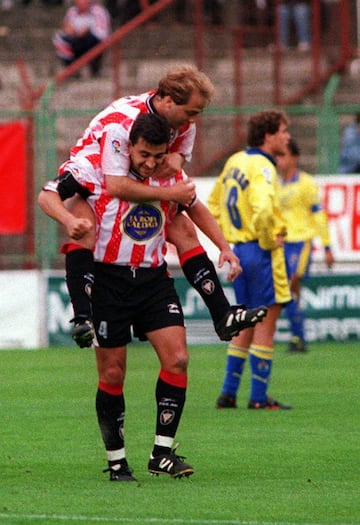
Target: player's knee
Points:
(113, 375)
(182, 234)
(180, 362)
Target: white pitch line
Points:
(98, 519)
(173, 521)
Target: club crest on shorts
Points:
(167, 417)
(143, 222)
(208, 286)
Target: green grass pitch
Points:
(251, 467)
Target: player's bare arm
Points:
(203, 219)
(51, 204)
(183, 192)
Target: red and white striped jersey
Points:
(103, 147)
(130, 233)
(127, 233)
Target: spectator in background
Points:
(257, 12)
(350, 147)
(300, 205)
(45, 2)
(330, 27)
(124, 10)
(213, 10)
(257, 17)
(297, 13)
(6, 5)
(85, 25)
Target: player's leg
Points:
(110, 409)
(255, 286)
(258, 344)
(201, 274)
(298, 258)
(79, 269)
(237, 350)
(268, 281)
(63, 47)
(170, 346)
(164, 328)
(236, 355)
(285, 17)
(261, 353)
(296, 318)
(112, 325)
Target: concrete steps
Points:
(146, 55)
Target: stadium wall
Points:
(35, 309)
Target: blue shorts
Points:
(263, 279)
(298, 258)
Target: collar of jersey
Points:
(149, 103)
(294, 178)
(258, 151)
(136, 175)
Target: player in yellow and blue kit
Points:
(245, 203)
(305, 218)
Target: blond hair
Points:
(182, 81)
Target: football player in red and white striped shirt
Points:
(182, 94)
(132, 287)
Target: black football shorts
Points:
(124, 296)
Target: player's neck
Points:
(290, 174)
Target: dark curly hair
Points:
(262, 123)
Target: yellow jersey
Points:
(301, 207)
(245, 199)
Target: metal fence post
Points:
(46, 231)
(328, 131)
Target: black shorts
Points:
(123, 296)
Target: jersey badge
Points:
(116, 145)
(143, 222)
(74, 171)
(267, 174)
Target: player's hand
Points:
(280, 240)
(183, 192)
(77, 228)
(329, 258)
(295, 285)
(171, 165)
(235, 269)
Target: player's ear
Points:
(168, 101)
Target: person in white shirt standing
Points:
(85, 25)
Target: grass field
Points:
(251, 467)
